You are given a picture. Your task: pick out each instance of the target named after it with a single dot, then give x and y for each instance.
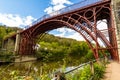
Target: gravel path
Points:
(112, 71)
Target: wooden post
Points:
(106, 59)
(59, 76)
(17, 42)
(92, 67)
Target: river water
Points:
(37, 67)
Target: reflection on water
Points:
(38, 68)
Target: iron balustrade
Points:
(102, 61)
(66, 10)
(82, 65)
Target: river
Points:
(37, 68)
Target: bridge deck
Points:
(82, 5)
(112, 71)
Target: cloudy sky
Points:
(19, 13)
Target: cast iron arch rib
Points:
(79, 20)
(79, 28)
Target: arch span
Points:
(83, 21)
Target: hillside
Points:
(7, 31)
(54, 48)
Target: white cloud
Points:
(68, 33)
(63, 32)
(56, 2)
(56, 5)
(59, 4)
(102, 24)
(48, 10)
(61, 29)
(14, 20)
(76, 36)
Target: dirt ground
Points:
(112, 71)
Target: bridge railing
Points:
(66, 10)
(103, 61)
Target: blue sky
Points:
(20, 13)
(34, 8)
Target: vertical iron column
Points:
(95, 31)
(116, 20)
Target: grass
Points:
(83, 73)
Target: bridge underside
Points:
(84, 21)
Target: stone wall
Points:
(9, 44)
(116, 16)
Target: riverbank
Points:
(25, 58)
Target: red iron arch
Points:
(83, 21)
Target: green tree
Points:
(56, 48)
(2, 34)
